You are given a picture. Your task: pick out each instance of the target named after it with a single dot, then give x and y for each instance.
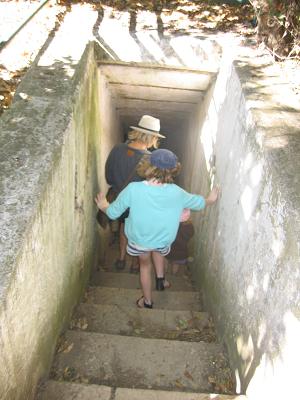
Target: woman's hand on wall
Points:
(101, 201)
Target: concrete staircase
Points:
(115, 351)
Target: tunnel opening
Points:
(176, 96)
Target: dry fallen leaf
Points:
(188, 375)
(64, 346)
(179, 384)
(79, 323)
(70, 374)
(69, 348)
(24, 96)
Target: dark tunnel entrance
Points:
(174, 95)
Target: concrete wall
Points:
(247, 246)
(49, 176)
(110, 133)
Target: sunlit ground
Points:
(154, 36)
(20, 52)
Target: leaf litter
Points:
(180, 15)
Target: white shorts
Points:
(136, 250)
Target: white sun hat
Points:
(149, 125)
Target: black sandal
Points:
(120, 264)
(145, 305)
(162, 284)
(134, 269)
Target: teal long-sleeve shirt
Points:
(155, 211)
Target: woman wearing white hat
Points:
(120, 167)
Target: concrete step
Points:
(166, 300)
(54, 390)
(134, 362)
(162, 324)
(131, 281)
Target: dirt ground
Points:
(172, 18)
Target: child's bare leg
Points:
(134, 265)
(121, 262)
(166, 265)
(145, 276)
(114, 228)
(175, 268)
(159, 265)
(123, 242)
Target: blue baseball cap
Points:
(163, 159)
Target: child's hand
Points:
(101, 201)
(213, 195)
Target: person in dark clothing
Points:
(178, 255)
(121, 164)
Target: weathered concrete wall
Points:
(195, 174)
(247, 246)
(49, 176)
(110, 133)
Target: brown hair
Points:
(148, 171)
(148, 139)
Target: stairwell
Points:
(115, 351)
(242, 122)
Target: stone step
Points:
(135, 362)
(166, 300)
(131, 281)
(54, 390)
(163, 324)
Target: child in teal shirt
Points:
(155, 208)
